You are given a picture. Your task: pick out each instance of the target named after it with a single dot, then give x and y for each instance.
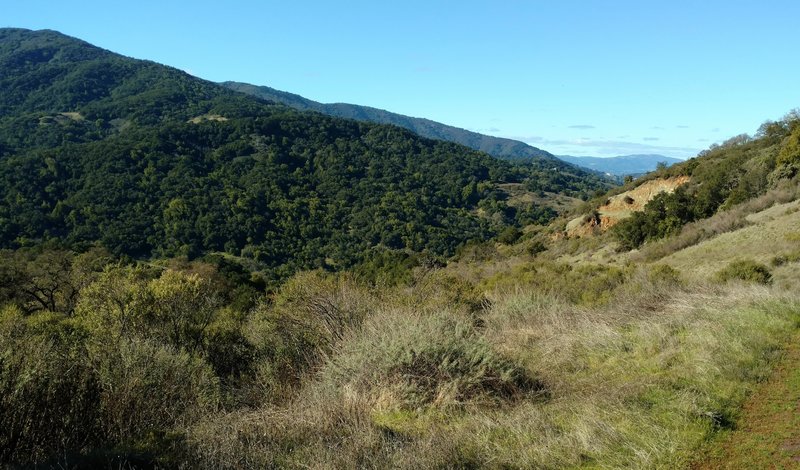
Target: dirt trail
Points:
(768, 432)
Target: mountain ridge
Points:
(496, 146)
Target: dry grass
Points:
(726, 221)
(637, 385)
(768, 235)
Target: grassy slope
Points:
(638, 385)
(772, 232)
(638, 379)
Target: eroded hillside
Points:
(621, 206)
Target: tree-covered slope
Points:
(499, 147)
(148, 160)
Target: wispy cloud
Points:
(682, 127)
(603, 147)
(657, 128)
(651, 139)
(582, 126)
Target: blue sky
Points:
(573, 77)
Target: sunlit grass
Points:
(639, 383)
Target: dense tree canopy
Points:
(147, 160)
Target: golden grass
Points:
(768, 236)
(636, 384)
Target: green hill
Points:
(147, 160)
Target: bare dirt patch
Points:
(622, 206)
(208, 117)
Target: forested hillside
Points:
(148, 160)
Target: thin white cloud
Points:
(602, 147)
(582, 126)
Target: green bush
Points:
(147, 387)
(509, 235)
(49, 393)
(745, 270)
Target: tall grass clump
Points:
(411, 360)
(307, 317)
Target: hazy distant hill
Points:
(622, 165)
(498, 147)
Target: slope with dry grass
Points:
(532, 382)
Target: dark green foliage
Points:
(745, 270)
(388, 267)
(509, 236)
(664, 215)
(536, 247)
(47, 280)
(147, 160)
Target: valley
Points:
(194, 277)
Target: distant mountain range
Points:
(622, 165)
(506, 149)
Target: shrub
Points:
(745, 270)
(536, 247)
(48, 391)
(310, 313)
(419, 360)
(664, 274)
(509, 235)
(148, 387)
(780, 260)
